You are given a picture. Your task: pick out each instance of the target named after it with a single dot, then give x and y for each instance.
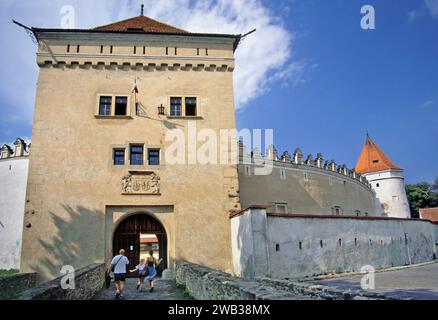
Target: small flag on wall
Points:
(135, 88)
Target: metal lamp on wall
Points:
(161, 110)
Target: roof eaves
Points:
(188, 34)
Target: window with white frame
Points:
(184, 106)
(113, 105)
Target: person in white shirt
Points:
(118, 266)
(141, 270)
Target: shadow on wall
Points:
(78, 242)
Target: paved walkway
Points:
(164, 290)
(416, 282)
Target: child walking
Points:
(141, 269)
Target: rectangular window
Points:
(78, 48)
(68, 48)
(176, 51)
(111, 49)
(135, 50)
(136, 153)
(175, 106)
(154, 157)
(105, 105)
(283, 174)
(101, 49)
(280, 208)
(144, 49)
(191, 107)
(119, 157)
(121, 106)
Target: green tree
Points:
(422, 195)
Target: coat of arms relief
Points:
(142, 183)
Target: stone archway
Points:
(127, 236)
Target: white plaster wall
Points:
(380, 243)
(390, 190)
(242, 246)
(249, 245)
(290, 247)
(13, 181)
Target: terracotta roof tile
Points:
(373, 159)
(429, 214)
(140, 24)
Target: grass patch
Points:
(8, 272)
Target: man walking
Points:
(118, 266)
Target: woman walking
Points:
(152, 264)
(141, 270)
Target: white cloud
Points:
(263, 59)
(264, 55)
(432, 6)
(428, 103)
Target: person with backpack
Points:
(118, 267)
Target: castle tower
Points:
(386, 179)
(110, 102)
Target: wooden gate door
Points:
(131, 243)
(127, 236)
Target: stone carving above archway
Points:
(141, 183)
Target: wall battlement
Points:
(19, 150)
(297, 161)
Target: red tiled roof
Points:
(373, 159)
(429, 214)
(140, 24)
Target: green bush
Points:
(8, 272)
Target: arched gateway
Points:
(138, 234)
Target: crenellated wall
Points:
(308, 185)
(133, 51)
(14, 164)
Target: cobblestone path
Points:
(164, 290)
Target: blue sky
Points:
(384, 81)
(309, 72)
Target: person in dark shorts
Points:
(119, 264)
(141, 269)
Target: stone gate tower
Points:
(386, 179)
(100, 144)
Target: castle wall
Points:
(306, 190)
(300, 246)
(13, 180)
(75, 190)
